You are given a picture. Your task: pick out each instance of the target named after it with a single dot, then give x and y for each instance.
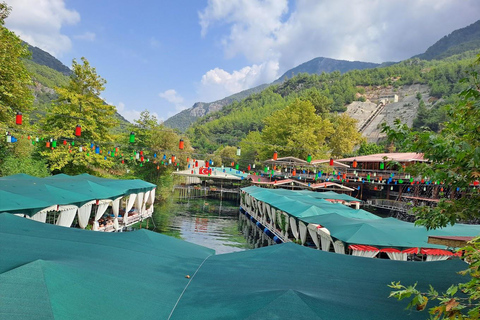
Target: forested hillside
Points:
(186, 117)
(458, 41)
(320, 65)
(44, 58)
(328, 93)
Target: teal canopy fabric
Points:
(22, 193)
(354, 226)
(387, 232)
(289, 281)
(51, 272)
(302, 204)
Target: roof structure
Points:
(213, 173)
(49, 272)
(450, 241)
(354, 226)
(294, 161)
(258, 180)
(386, 232)
(336, 163)
(25, 194)
(302, 204)
(380, 157)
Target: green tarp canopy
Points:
(330, 195)
(289, 281)
(355, 226)
(51, 272)
(302, 204)
(387, 232)
(25, 194)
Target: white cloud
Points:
(218, 83)
(363, 30)
(39, 23)
(255, 22)
(132, 114)
(174, 98)
(87, 36)
(171, 96)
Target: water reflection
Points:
(210, 223)
(254, 236)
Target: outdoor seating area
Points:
(82, 201)
(307, 218)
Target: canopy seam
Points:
(185, 289)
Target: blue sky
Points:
(164, 56)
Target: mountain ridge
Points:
(459, 41)
(46, 59)
(185, 118)
(322, 64)
(48, 72)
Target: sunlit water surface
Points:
(210, 223)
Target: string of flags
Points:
(141, 157)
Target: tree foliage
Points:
(225, 155)
(370, 148)
(15, 95)
(297, 131)
(152, 137)
(345, 137)
(331, 93)
(454, 155)
(251, 147)
(78, 103)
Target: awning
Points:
(361, 247)
(29, 195)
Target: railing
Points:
(370, 119)
(264, 222)
(390, 205)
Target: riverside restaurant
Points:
(83, 201)
(327, 221)
(48, 271)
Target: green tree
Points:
(78, 103)
(15, 94)
(251, 147)
(370, 148)
(21, 157)
(153, 138)
(321, 103)
(226, 155)
(297, 131)
(346, 135)
(454, 155)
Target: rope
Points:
(185, 289)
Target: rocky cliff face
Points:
(372, 113)
(200, 109)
